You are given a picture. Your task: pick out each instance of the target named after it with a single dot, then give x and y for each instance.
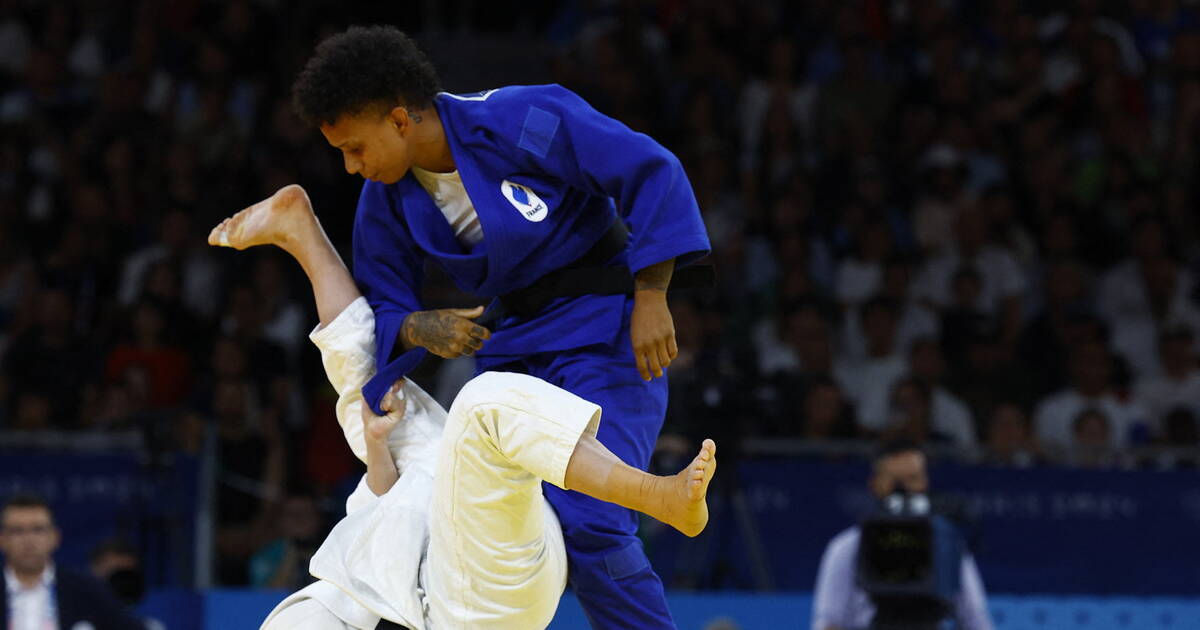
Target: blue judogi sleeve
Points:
(560, 134)
(388, 269)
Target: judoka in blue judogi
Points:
(531, 180)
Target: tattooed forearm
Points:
(656, 277)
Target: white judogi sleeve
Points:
(346, 346)
(375, 553)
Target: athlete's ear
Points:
(399, 118)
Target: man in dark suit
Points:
(39, 595)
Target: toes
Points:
(219, 236)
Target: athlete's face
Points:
(374, 144)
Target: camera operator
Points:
(839, 603)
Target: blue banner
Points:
(96, 497)
(225, 609)
(1033, 531)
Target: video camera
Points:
(909, 563)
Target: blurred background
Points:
(967, 223)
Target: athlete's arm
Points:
(381, 469)
(389, 269)
(651, 327)
(556, 132)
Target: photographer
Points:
(839, 603)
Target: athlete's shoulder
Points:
(516, 95)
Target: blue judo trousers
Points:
(546, 174)
(608, 568)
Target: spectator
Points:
(1008, 232)
(917, 319)
(810, 355)
(1146, 292)
(710, 380)
(1002, 283)
(826, 414)
(911, 414)
(253, 462)
(962, 320)
(945, 199)
(177, 241)
(167, 368)
(838, 602)
(949, 416)
(869, 380)
(283, 562)
(1178, 385)
(39, 594)
(1091, 444)
(50, 359)
(1091, 386)
(800, 326)
(1181, 433)
(1009, 441)
(860, 275)
(1062, 323)
(284, 321)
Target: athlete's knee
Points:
(492, 390)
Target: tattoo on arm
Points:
(657, 276)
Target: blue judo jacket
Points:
(547, 174)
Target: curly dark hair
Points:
(361, 67)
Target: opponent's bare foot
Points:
(684, 498)
(277, 220)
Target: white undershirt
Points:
(451, 198)
(31, 608)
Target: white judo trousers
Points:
(464, 539)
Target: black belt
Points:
(588, 276)
(384, 624)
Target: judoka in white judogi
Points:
(382, 560)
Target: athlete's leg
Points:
(346, 336)
(495, 558)
(346, 339)
(286, 220)
(678, 500)
(610, 572)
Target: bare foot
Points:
(275, 220)
(685, 504)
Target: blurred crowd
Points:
(968, 223)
